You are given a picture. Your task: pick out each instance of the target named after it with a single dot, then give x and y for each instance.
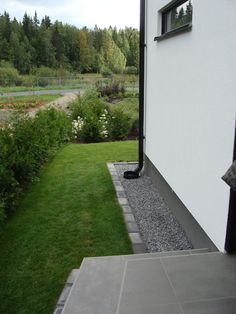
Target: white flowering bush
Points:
(103, 120)
(77, 126)
(94, 121)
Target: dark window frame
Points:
(164, 13)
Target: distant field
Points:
(26, 102)
(81, 81)
(8, 105)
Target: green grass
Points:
(26, 102)
(72, 212)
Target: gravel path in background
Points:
(60, 103)
(159, 228)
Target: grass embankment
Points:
(26, 102)
(72, 212)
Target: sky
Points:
(80, 13)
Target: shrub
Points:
(25, 145)
(29, 80)
(119, 125)
(130, 106)
(89, 114)
(132, 70)
(107, 73)
(9, 76)
(110, 88)
(44, 71)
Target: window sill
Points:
(182, 29)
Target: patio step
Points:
(66, 290)
(107, 285)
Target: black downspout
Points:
(230, 242)
(136, 173)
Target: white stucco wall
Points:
(190, 109)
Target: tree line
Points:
(30, 44)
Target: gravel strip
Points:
(159, 228)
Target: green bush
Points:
(25, 145)
(132, 70)
(89, 114)
(130, 106)
(9, 76)
(119, 125)
(44, 71)
(28, 80)
(94, 120)
(107, 73)
(110, 88)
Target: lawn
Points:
(70, 213)
(26, 102)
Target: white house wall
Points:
(190, 108)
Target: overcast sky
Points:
(119, 13)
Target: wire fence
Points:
(75, 81)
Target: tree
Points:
(58, 42)
(45, 49)
(84, 52)
(31, 44)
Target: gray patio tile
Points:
(146, 286)
(206, 276)
(156, 255)
(142, 307)
(220, 306)
(97, 288)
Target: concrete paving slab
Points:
(161, 283)
(202, 276)
(97, 288)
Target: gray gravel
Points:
(159, 228)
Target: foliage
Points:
(95, 120)
(32, 43)
(25, 145)
(119, 125)
(89, 116)
(110, 88)
(132, 70)
(9, 75)
(62, 219)
(129, 105)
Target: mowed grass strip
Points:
(26, 102)
(72, 212)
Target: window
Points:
(176, 17)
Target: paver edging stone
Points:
(132, 227)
